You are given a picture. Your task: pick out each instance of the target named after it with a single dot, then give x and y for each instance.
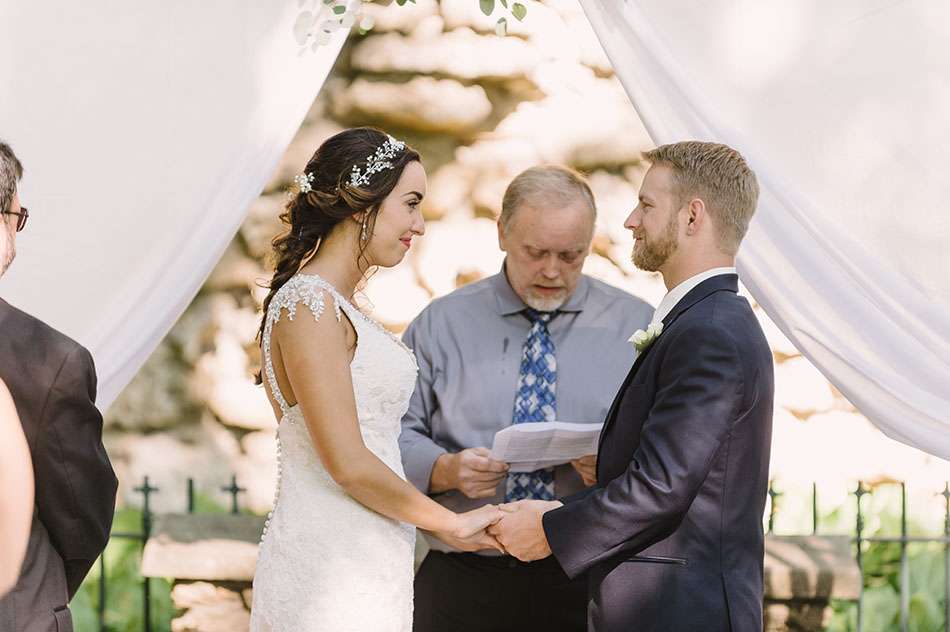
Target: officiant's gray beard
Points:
(650, 256)
(544, 304)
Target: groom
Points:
(671, 534)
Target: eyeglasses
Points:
(22, 216)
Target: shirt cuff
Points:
(419, 463)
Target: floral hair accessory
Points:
(379, 161)
(304, 182)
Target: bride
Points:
(337, 550)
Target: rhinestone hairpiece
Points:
(304, 182)
(379, 161)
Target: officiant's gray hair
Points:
(546, 185)
(10, 173)
(719, 176)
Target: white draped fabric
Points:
(843, 109)
(146, 130)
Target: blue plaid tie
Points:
(535, 401)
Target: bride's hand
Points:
(471, 523)
(468, 532)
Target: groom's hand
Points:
(586, 466)
(473, 472)
(521, 532)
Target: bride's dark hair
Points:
(311, 215)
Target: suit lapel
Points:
(620, 393)
(719, 283)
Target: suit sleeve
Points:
(76, 485)
(701, 390)
(579, 496)
(419, 451)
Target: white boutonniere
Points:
(642, 340)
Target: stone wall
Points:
(480, 108)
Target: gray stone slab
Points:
(216, 547)
(810, 567)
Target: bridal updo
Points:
(323, 197)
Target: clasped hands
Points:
(520, 531)
(512, 528)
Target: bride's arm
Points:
(16, 492)
(317, 363)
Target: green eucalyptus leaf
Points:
(519, 11)
(487, 6)
(339, 10)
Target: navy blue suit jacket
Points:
(671, 535)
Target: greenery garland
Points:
(319, 19)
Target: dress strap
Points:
(309, 290)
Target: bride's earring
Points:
(364, 229)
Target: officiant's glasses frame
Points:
(22, 216)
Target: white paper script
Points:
(533, 446)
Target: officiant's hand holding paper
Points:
(520, 530)
(473, 472)
(586, 466)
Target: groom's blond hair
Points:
(719, 176)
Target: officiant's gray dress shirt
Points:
(468, 345)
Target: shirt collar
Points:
(510, 303)
(675, 295)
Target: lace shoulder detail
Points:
(306, 289)
(309, 290)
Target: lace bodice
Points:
(312, 291)
(326, 561)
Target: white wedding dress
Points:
(327, 562)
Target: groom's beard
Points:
(651, 255)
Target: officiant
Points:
(539, 341)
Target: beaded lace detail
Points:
(299, 289)
(326, 561)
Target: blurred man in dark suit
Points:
(53, 383)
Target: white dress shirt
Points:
(675, 295)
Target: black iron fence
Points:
(146, 489)
(903, 539)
